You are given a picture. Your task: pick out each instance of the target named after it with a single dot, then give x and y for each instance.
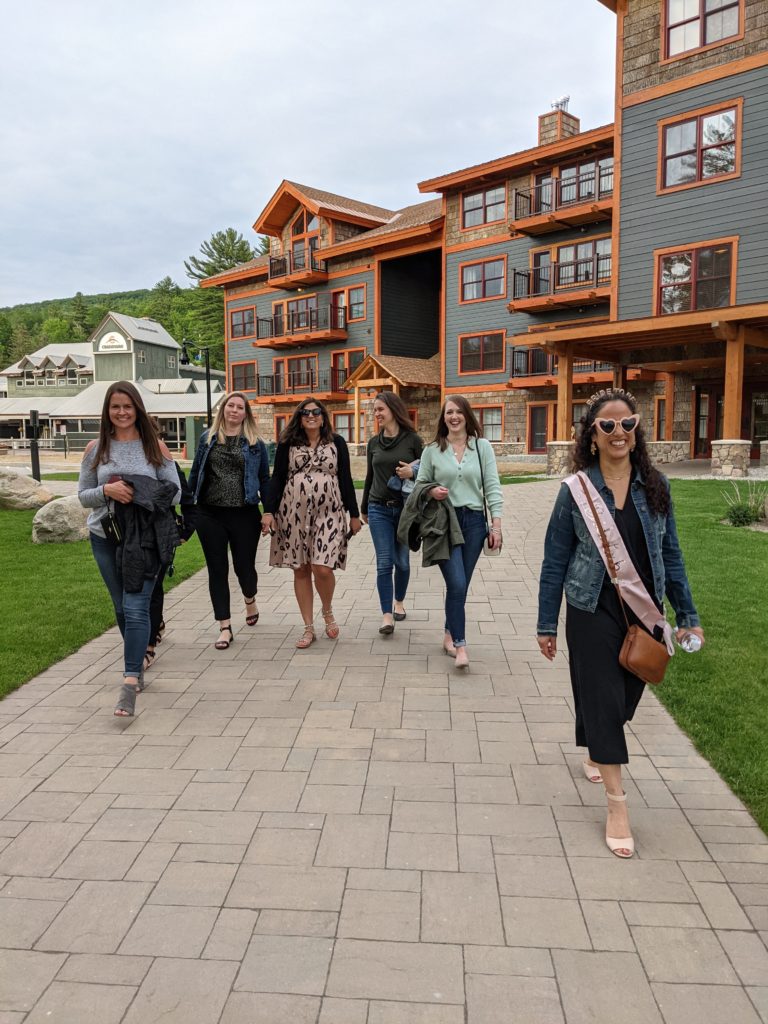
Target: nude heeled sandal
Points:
(591, 772)
(616, 846)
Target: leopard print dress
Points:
(310, 525)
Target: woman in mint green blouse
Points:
(453, 461)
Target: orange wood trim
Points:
(669, 394)
(347, 352)
(714, 314)
(550, 407)
(470, 389)
(664, 59)
(488, 405)
(236, 274)
(346, 290)
(246, 295)
(279, 416)
(564, 395)
(243, 362)
(360, 242)
(657, 400)
(694, 404)
(377, 306)
(475, 263)
(229, 315)
(734, 386)
(475, 191)
(538, 328)
(713, 108)
(734, 67)
(482, 334)
(441, 329)
(613, 307)
(478, 242)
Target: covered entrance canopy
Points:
(733, 338)
(391, 373)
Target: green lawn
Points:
(52, 598)
(719, 695)
(60, 476)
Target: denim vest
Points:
(256, 467)
(572, 562)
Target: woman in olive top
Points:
(460, 461)
(390, 454)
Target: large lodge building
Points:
(630, 254)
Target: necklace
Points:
(617, 479)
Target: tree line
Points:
(186, 312)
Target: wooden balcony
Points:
(296, 269)
(536, 368)
(585, 282)
(291, 387)
(563, 203)
(307, 327)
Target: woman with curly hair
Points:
(611, 451)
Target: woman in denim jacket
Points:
(611, 450)
(229, 475)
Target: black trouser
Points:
(236, 529)
(156, 603)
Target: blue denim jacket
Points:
(256, 468)
(572, 562)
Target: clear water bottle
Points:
(690, 643)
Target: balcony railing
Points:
(535, 362)
(560, 193)
(326, 318)
(302, 382)
(590, 272)
(295, 262)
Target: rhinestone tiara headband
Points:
(610, 394)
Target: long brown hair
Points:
(473, 427)
(248, 427)
(397, 407)
(150, 441)
(294, 433)
(582, 456)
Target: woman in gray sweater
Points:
(128, 446)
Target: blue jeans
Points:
(390, 554)
(131, 610)
(457, 571)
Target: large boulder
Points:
(61, 521)
(18, 491)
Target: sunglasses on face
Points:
(311, 412)
(628, 424)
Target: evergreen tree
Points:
(161, 301)
(224, 250)
(79, 317)
(264, 245)
(21, 343)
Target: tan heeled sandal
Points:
(331, 625)
(591, 772)
(625, 847)
(307, 638)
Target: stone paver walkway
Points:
(358, 834)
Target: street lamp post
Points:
(184, 360)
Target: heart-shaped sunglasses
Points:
(628, 424)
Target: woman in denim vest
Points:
(228, 477)
(611, 450)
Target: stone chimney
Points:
(557, 123)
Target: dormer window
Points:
(305, 238)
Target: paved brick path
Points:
(356, 834)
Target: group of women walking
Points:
(444, 497)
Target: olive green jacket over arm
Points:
(429, 524)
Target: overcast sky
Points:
(130, 133)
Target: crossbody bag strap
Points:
(613, 572)
(482, 483)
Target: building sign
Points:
(113, 342)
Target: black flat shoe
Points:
(387, 630)
(398, 616)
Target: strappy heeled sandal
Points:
(331, 625)
(625, 847)
(591, 771)
(253, 618)
(126, 701)
(149, 657)
(160, 631)
(222, 645)
(307, 638)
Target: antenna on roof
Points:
(562, 103)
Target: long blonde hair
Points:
(248, 428)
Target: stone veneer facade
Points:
(730, 458)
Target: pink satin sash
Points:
(633, 589)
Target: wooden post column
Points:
(620, 377)
(564, 394)
(734, 385)
(356, 432)
(669, 395)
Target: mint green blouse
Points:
(463, 478)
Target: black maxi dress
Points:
(605, 694)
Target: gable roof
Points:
(258, 267)
(80, 352)
(140, 329)
(410, 222)
(404, 369)
(290, 194)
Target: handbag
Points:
(112, 529)
(487, 549)
(641, 654)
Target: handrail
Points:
(535, 362)
(324, 318)
(591, 271)
(549, 196)
(297, 382)
(295, 261)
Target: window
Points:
(141, 355)
(244, 377)
(699, 148)
(660, 426)
(585, 263)
(538, 423)
(302, 314)
(281, 422)
(482, 281)
(481, 353)
(490, 417)
(485, 207)
(693, 24)
(585, 181)
(83, 380)
(343, 423)
(414, 414)
(344, 363)
(695, 279)
(305, 234)
(356, 303)
(349, 301)
(243, 323)
(171, 362)
(578, 409)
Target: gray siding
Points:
(716, 210)
(113, 366)
(410, 305)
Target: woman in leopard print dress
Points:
(306, 511)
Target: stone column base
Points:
(559, 457)
(730, 459)
(763, 453)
